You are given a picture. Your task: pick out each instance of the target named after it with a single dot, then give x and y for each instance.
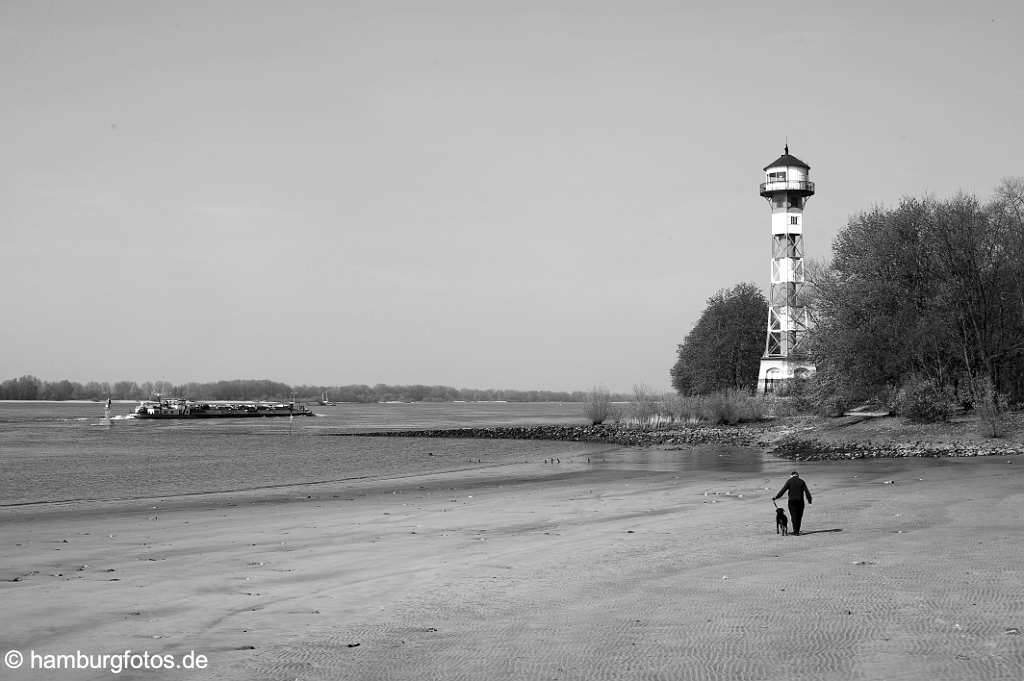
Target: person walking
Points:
(797, 489)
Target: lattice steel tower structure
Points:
(787, 187)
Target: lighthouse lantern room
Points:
(787, 187)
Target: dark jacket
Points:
(797, 489)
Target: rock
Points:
(808, 449)
(611, 433)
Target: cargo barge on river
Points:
(176, 408)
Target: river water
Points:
(65, 451)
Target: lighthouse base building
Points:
(774, 369)
(787, 187)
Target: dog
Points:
(781, 522)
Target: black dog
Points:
(781, 522)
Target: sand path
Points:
(574, 571)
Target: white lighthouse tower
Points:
(787, 187)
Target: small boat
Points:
(324, 402)
(178, 408)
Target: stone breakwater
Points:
(763, 435)
(809, 449)
(613, 434)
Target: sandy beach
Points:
(632, 567)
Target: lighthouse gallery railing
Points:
(783, 185)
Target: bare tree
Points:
(598, 405)
(645, 405)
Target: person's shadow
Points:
(834, 529)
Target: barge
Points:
(176, 408)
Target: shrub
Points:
(645, 406)
(669, 408)
(891, 398)
(799, 395)
(826, 393)
(729, 406)
(791, 387)
(691, 408)
(718, 409)
(990, 405)
(924, 401)
(597, 408)
(732, 406)
(782, 406)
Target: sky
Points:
(522, 195)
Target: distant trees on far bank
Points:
(31, 388)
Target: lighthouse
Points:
(786, 186)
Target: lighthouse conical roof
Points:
(787, 160)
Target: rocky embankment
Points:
(771, 436)
(802, 448)
(745, 435)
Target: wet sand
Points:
(605, 570)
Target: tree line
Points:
(31, 388)
(929, 292)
